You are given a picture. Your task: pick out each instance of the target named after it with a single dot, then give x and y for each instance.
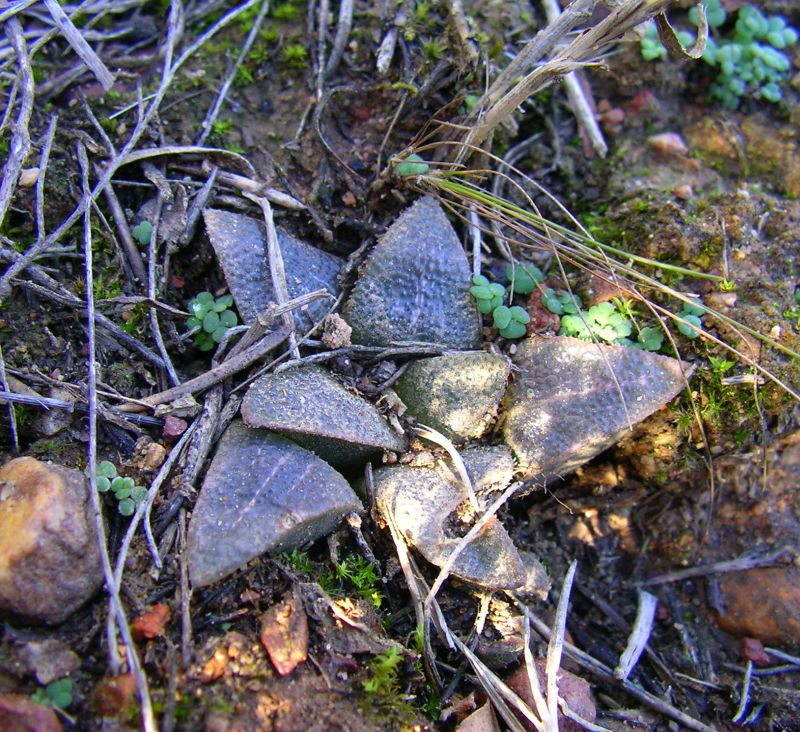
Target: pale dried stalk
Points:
(582, 51)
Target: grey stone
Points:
(415, 285)
(241, 247)
(424, 504)
(457, 393)
(262, 493)
(565, 405)
(316, 411)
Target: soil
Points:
(709, 478)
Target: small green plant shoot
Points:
(127, 494)
(212, 317)
(412, 165)
(751, 62)
(57, 694)
(490, 296)
(384, 670)
(142, 232)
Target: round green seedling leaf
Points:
(142, 232)
(198, 309)
(525, 277)
(520, 315)
(513, 330)
(497, 289)
(687, 329)
(138, 494)
(219, 334)
(193, 323)
(485, 306)
(126, 507)
(204, 341)
(502, 317)
(412, 165)
(210, 322)
(480, 280)
(228, 319)
(204, 297)
(103, 484)
(481, 292)
(552, 302)
(122, 494)
(651, 339)
(60, 693)
(106, 469)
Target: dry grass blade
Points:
(640, 634)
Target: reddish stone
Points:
(174, 427)
(762, 603)
(19, 714)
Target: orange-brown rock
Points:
(49, 555)
(19, 714)
(762, 603)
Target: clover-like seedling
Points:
(56, 694)
(607, 323)
(142, 232)
(561, 302)
(524, 276)
(511, 321)
(212, 317)
(127, 494)
(649, 339)
(412, 165)
(691, 315)
(750, 62)
(488, 296)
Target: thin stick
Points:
(776, 558)
(741, 710)
(186, 596)
(556, 646)
(576, 95)
(344, 25)
(640, 634)
(221, 372)
(20, 144)
(12, 415)
(128, 246)
(44, 160)
(79, 44)
(276, 270)
(117, 611)
(152, 294)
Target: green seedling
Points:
(212, 317)
(649, 339)
(411, 166)
(561, 302)
(601, 321)
(142, 232)
(489, 296)
(359, 574)
(57, 694)
(751, 62)
(524, 276)
(511, 321)
(127, 494)
(384, 670)
(691, 315)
